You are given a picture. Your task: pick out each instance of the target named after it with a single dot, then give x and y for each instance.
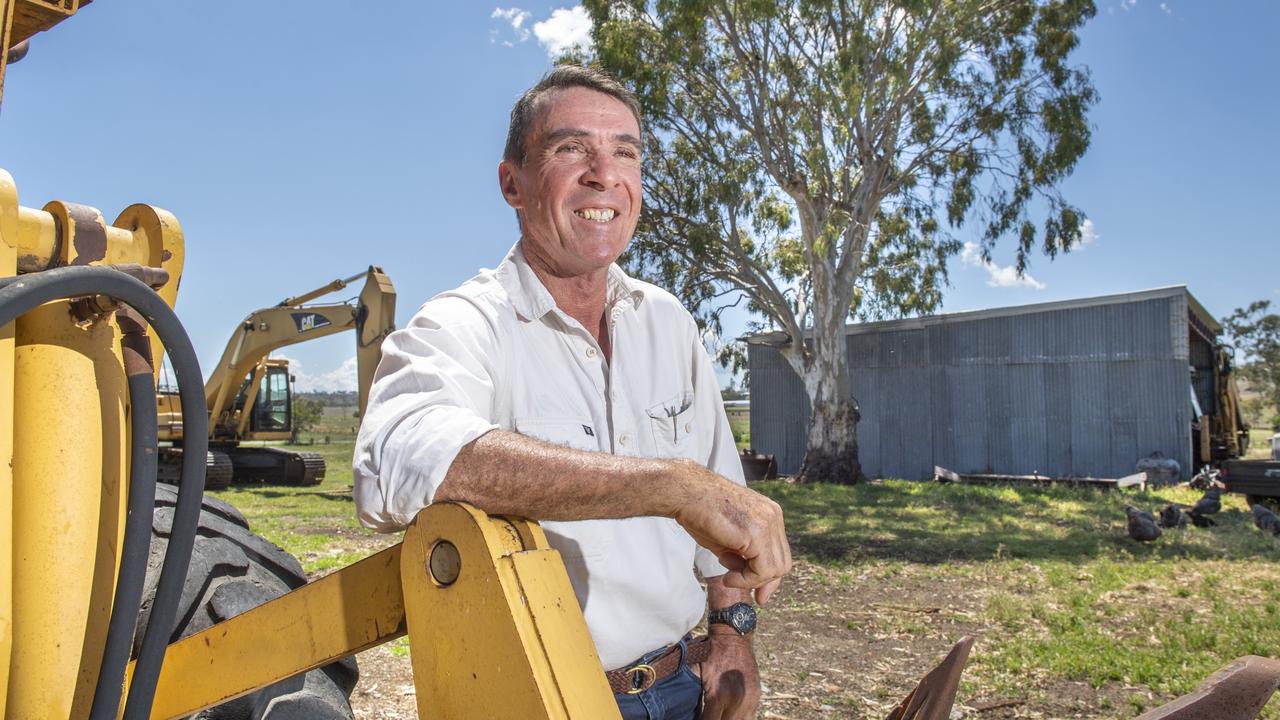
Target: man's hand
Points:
(730, 679)
(742, 527)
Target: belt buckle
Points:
(648, 677)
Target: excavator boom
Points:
(249, 394)
(291, 322)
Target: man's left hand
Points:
(730, 679)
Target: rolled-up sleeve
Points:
(433, 393)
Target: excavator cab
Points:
(267, 392)
(274, 408)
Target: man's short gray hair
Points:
(525, 111)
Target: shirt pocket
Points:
(673, 424)
(571, 432)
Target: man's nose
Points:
(603, 172)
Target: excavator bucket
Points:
(1236, 692)
(933, 697)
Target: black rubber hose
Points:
(143, 462)
(31, 291)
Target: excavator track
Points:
(275, 466)
(217, 473)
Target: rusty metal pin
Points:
(444, 564)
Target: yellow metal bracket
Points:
(355, 608)
(495, 630)
(494, 627)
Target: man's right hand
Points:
(742, 527)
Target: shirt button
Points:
(688, 427)
(623, 439)
(591, 352)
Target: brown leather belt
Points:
(638, 678)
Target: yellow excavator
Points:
(121, 598)
(250, 395)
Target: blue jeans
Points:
(677, 696)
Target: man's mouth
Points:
(596, 214)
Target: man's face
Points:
(578, 192)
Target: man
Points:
(559, 389)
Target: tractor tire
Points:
(234, 570)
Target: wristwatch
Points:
(739, 616)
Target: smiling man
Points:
(559, 389)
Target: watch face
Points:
(742, 617)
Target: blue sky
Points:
(300, 142)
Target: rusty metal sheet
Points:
(1236, 692)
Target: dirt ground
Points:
(834, 650)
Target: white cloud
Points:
(1128, 4)
(517, 19)
(343, 378)
(997, 275)
(564, 30)
(1088, 233)
(1164, 8)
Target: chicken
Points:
(1142, 524)
(1172, 517)
(1266, 520)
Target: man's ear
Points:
(507, 183)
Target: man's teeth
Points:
(604, 215)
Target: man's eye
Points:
(627, 153)
(569, 148)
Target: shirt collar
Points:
(532, 299)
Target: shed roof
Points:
(776, 336)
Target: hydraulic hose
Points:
(126, 605)
(31, 291)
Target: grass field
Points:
(1065, 592)
(1073, 618)
(1259, 443)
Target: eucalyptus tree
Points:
(1254, 331)
(817, 158)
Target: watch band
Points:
(739, 616)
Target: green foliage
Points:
(1255, 334)
(815, 158)
(306, 414)
(795, 147)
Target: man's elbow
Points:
(452, 490)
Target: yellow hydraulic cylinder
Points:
(64, 453)
(69, 457)
(8, 268)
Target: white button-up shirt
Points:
(497, 353)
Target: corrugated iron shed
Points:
(1081, 387)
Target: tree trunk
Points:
(831, 448)
(831, 451)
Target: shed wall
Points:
(1082, 391)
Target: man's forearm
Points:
(505, 473)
